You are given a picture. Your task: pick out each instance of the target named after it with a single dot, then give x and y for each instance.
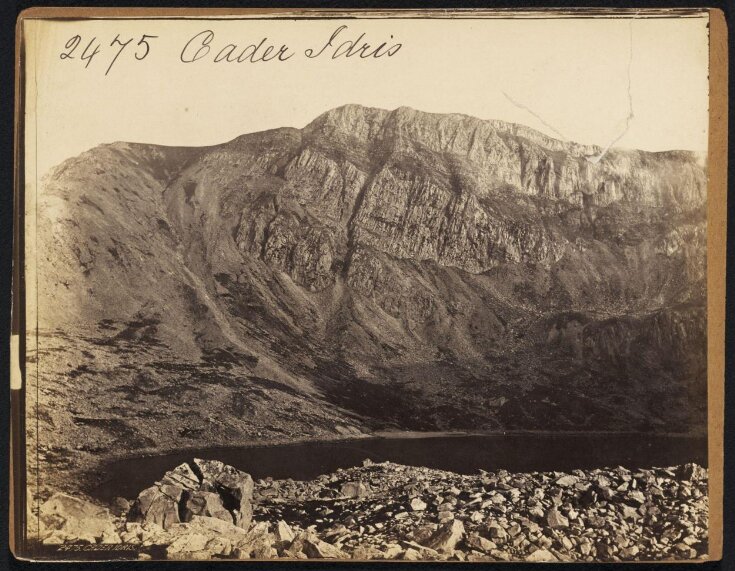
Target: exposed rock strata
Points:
(376, 269)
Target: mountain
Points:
(373, 270)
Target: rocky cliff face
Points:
(377, 269)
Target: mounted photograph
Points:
(398, 285)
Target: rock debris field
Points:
(205, 509)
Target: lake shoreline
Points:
(461, 452)
(388, 434)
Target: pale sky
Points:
(569, 76)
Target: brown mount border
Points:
(716, 203)
(319, 13)
(716, 270)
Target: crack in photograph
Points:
(383, 288)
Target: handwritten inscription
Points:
(340, 47)
(200, 46)
(73, 49)
(206, 47)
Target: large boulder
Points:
(233, 486)
(206, 488)
(66, 519)
(160, 503)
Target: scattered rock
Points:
(629, 512)
(447, 537)
(692, 472)
(354, 490)
(555, 519)
(418, 505)
(415, 514)
(629, 552)
(411, 555)
(366, 553)
(66, 519)
(494, 531)
(284, 532)
(567, 481)
(476, 541)
(318, 549)
(541, 555)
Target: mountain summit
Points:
(373, 270)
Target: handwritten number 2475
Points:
(93, 47)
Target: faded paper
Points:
(494, 230)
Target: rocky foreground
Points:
(206, 509)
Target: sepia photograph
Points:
(404, 286)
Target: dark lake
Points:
(466, 454)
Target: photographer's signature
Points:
(78, 547)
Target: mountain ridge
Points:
(507, 126)
(379, 270)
